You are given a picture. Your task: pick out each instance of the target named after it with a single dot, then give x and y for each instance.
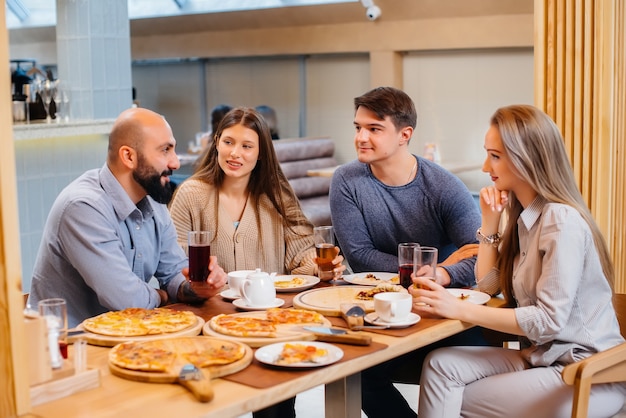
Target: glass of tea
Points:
(325, 250)
(199, 249)
(405, 262)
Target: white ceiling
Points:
(38, 13)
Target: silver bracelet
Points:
(493, 240)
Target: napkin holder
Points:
(39, 367)
(47, 384)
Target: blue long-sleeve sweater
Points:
(371, 218)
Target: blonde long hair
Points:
(536, 149)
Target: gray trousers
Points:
(496, 382)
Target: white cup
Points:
(393, 306)
(236, 278)
(258, 289)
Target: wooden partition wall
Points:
(580, 81)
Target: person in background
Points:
(109, 232)
(217, 114)
(388, 196)
(549, 256)
(269, 114)
(239, 193)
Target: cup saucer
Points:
(412, 319)
(242, 304)
(230, 294)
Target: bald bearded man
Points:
(109, 232)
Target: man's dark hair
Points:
(392, 102)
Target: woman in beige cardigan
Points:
(240, 194)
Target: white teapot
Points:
(258, 289)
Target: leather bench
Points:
(296, 157)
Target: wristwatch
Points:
(493, 240)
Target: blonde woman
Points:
(554, 270)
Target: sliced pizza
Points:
(139, 321)
(161, 355)
(242, 326)
(294, 316)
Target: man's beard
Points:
(150, 180)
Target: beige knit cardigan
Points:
(267, 245)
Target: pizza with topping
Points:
(133, 322)
(161, 355)
(294, 316)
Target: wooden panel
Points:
(14, 395)
(580, 73)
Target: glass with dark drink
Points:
(199, 248)
(325, 250)
(405, 262)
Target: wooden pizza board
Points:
(328, 300)
(285, 332)
(110, 341)
(200, 388)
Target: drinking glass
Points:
(405, 262)
(199, 248)
(54, 312)
(324, 237)
(47, 90)
(425, 264)
(61, 97)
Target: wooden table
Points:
(120, 397)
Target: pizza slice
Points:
(300, 353)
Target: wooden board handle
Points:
(354, 339)
(201, 389)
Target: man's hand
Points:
(195, 292)
(164, 297)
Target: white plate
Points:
(310, 282)
(380, 277)
(270, 353)
(230, 294)
(412, 319)
(479, 298)
(241, 304)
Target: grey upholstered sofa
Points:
(296, 157)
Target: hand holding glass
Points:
(425, 262)
(325, 250)
(199, 247)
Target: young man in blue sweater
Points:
(388, 196)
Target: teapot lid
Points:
(257, 273)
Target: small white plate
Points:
(241, 304)
(379, 277)
(310, 281)
(479, 298)
(269, 353)
(230, 294)
(412, 319)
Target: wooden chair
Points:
(605, 367)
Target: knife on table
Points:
(337, 335)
